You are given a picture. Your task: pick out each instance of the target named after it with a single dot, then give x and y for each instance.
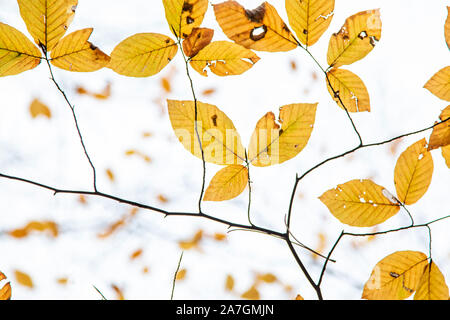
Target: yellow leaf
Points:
(118, 291)
(432, 284)
(110, 175)
(17, 53)
(299, 297)
(143, 54)
(47, 21)
(440, 136)
(446, 155)
(251, 294)
(259, 29)
(227, 184)
(310, 18)
(162, 198)
(184, 15)
(439, 84)
(75, 53)
(23, 278)
(220, 237)
(37, 108)
(267, 278)
(224, 58)
(5, 291)
(137, 253)
(356, 38)
(413, 172)
(181, 274)
(270, 144)
(191, 243)
(197, 40)
(62, 281)
(350, 88)
(229, 283)
(360, 203)
(220, 141)
(447, 28)
(396, 276)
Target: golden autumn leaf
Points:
(37, 108)
(267, 278)
(136, 254)
(118, 291)
(360, 203)
(309, 18)
(446, 155)
(440, 136)
(17, 53)
(299, 297)
(356, 38)
(38, 226)
(447, 28)
(432, 284)
(181, 274)
(229, 283)
(184, 15)
(197, 40)
(224, 58)
(350, 89)
(395, 277)
(439, 84)
(192, 243)
(110, 175)
(219, 138)
(227, 183)
(62, 281)
(259, 29)
(23, 279)
(126, 218)
(142, 54)
(413, 172)
(274, 142)
(251, 294)
(5, 291)
(75, 53)
(220, 236)
(47, 21)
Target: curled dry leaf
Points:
(227, 184)
(274, 142)
(224, 58)
(197, 40)
(47, 21)
(413, 172)
(259, 29)
(310, 18)
(349, 88)
(357, 37)
(432, 284)
(395, 277)
(219, 138)
(440, 137)
(439, 84)
(17, 53)
(143, 54)
(360, 203)
(184, 15)
(37, 108)
(75, 53)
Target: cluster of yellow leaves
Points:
(146, 54)
(50, 227)
(118, 224)
(272, 142)
(399, 275)
(5, 291)
(199, 236)
(47, 22)
(363, 203)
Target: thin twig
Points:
(103, 297)
(175, 275)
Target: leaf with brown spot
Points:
(258, 29)
(395, 277)
(227, 183)
(440, 137)
(439, 84)
(224, 58)
(413, 172)
(432, 284)
(309, 18)
(276, 142)
(197, 40)
(360, 203)
(37, 108)
(356, 38)
(349, 88)
(184, 15)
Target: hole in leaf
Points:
(189, 20)
(258, 33)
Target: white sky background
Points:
(411, 50)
